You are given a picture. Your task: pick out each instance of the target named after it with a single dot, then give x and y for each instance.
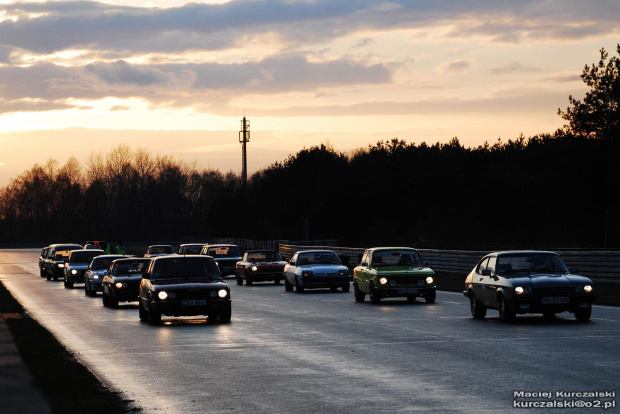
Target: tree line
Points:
(557, 190)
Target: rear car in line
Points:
(54, 262)
(97, 269)
(122, 281)
(76, 265)
(225, 255)
(520, 282)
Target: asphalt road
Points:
(322, 352)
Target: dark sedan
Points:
(260, 266)
(520, 282)
(183, 286)
(122, 282)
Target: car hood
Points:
(81, 266)
(550, 280)
(403, 270)
(127, 278)
(227, 259)
(269, 265)
(319, 269)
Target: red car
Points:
(260, 266)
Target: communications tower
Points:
(244, 138)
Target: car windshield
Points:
(398, 257)
(311, 258)
(194, 249)
(62, 255)
(531, 263)
(267, 256)
(83, 256)
(130, 267)
(102, 262)
(186, 268)
(224, 251)
(161, 249)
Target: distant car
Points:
(159, 250)
(260, 266)
(96, 244)
(226, 256)
(393, 272)
(190, 248)
(76, 265)
(315, 269)
(42, 257)
(95, 272)
(122, 282)
(54, 262)
(520, 282)
(183, 286)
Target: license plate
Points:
(194, 302)
(562, 299)
(407, 290)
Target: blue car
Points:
(97, 269)
(316, 269)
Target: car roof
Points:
(315, 251)
(262, 250)
(87, 250)
(392, 248)
(133, 259)
(513, 252)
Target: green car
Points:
(393, 272)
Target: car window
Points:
(130, 267)
(224, 251)
(482, 266)
(102, 262)
(530, 262)
(366, 258)
(311, 258)
(186, 267)
(397, 257)
(83, 256)
(491, 264)
(263, 257)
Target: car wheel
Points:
(277, 281)
(430, 297)
(374, 296)
(68, 285)
(91, 292)
(478, 310)
(47, 276)
(505, 314)
(300, 289)
(86, 289)
(287, 285)
(239, 280)
(583, 315)
(104, 299)
(42, 272)
(154, 317)
(347, 287)
(142, 313)
(248, 280)
(112, 301)
(226, 314)
(359, 295)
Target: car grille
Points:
(406, 280)
(555, 291)
(193, 294)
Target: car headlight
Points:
(118, 285)
(61, 265)
(74, 272)
(222, 293)
(254, 268)
(429, 280)
(519, 290)
(96, 277)
(306, 273)
(343, 273)
(588, 288)
(163, 295)
(383, 281)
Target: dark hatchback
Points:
(122, 282)
(183, 286)
(520, 282)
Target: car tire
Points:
(248, 280)
(374, 296)
(359, 295)
(505, 314)
(287, 285)
(430, 297)
(478, 310)
(154, 317)
(277, 281)
(299, 289)
(142, 313)
(68, 285)
(91, 292)
(226, 314)
(347, 287)
(239, 280)
(86, 289)
(112, 301)
(583, 315)
(105, 299)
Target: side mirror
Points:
(486, 272)
(364, 264)
(146, 275)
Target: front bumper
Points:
(126, 294)
(176, 308)
(264, 276)
(404, 291)
(541, 304)
(318, 282)
(76, 278)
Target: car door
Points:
(361, 273)
(488, 282)
(289, 270)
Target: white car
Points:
(312, 269)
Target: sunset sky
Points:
(175, 78)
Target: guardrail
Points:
(597, 264)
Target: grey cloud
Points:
(512, 67)
(79, 24)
